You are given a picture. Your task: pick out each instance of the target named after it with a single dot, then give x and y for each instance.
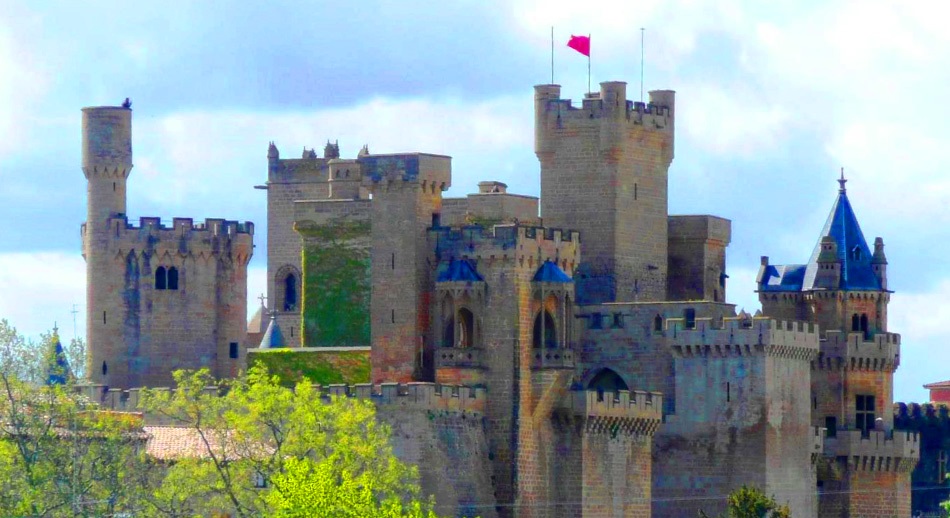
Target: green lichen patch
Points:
(336, 285)
(323, 367)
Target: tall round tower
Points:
(106, 163)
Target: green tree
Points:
(61, 457)
(751, 502)
(27, 359)
(254, 432)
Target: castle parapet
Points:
(507, 242)
(742, 337)
(429, 171)
(853, 351)
(419, 396)
(877, 450)
(633, 412)
(464, 357)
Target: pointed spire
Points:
(841, 182)
(273, 338)
(58, 372)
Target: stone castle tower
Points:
(604, 172)
(612, 377)
(843, 289)
(158, 298)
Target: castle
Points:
(580, 362)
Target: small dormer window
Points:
(856, 253)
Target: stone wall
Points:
(288, 181)
(604, 173)
(697, 257)
(159, 298)
(335, 271)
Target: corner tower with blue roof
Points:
(843, 289)
(841, 264)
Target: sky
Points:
(772, 99)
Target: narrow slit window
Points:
(233, 350)
(103, 317)
(105, 368)
(393, 261)
(728, 392)
(634, 191)
(393, 316)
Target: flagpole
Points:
(552, 54)
(642, 30)
(588, 63)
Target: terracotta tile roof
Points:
(175, 442)
(938, 384)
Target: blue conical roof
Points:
(459, 270)
(853, 251)
(551, 272)
(57, 372)
(273, 338)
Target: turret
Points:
(828, 275)
(879, 262)
(407, 198)
(331, 150)
(273, 157)
(106, 160)
(604, 172)
(106, 163)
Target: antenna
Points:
(642, 31)
(74, 312)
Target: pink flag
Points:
(580, 44)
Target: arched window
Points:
(466, 332)
(173, 278)
(606, 381)
(855, 323)
(161, 280)
(290, 292)
(658, 323)
(544, 331)
(864, 325)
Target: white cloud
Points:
(921, 319)
(22, 85)
(40, 288)
(729, 122)
(195, 155)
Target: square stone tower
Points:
(604, 170)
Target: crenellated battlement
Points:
(634, 412)
(876, 450)
(740, 337)
(433, 172)
(433, 397)
(852, 351)
(609, 103)
(212, 237)
(530, 245)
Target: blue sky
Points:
(771, 101)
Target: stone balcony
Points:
(552, 358)
(460, 357)
(634, 412)
(880, 351)
(876, 450)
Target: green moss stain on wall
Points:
(323, 367)
(336, 284)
